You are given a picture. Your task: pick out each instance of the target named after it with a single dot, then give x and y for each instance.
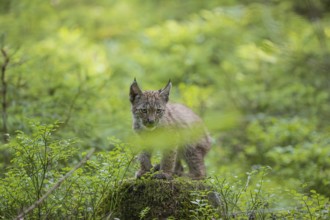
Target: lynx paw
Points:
(140, 173)
(164, 176)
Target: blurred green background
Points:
(256, 71)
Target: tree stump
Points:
(153, 199)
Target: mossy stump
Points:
(153, 199)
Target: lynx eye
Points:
(159, 111)
(143, 110)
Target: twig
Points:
(72, 105)
(4, 93)
(57, 185)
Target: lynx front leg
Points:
(145, 164)
(178, 167)
(195, 160)
(178, 170)
(167, 165)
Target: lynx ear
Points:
(134, 91)
(165, 93)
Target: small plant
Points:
(314, 206)
(38, 161)
(202, 209)
(237, 198)
(144, 212)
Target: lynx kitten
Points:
(151, 112)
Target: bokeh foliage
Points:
(256, 71)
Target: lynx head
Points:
(148, 107)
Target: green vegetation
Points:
(147, 199)
(256, 71)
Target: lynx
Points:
(151, 111)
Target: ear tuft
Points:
(135, 91)
(165, 92)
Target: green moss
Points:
(152, 199)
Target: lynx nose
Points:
(151, 121)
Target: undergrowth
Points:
(40, 159)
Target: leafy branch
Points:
(56, 185)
